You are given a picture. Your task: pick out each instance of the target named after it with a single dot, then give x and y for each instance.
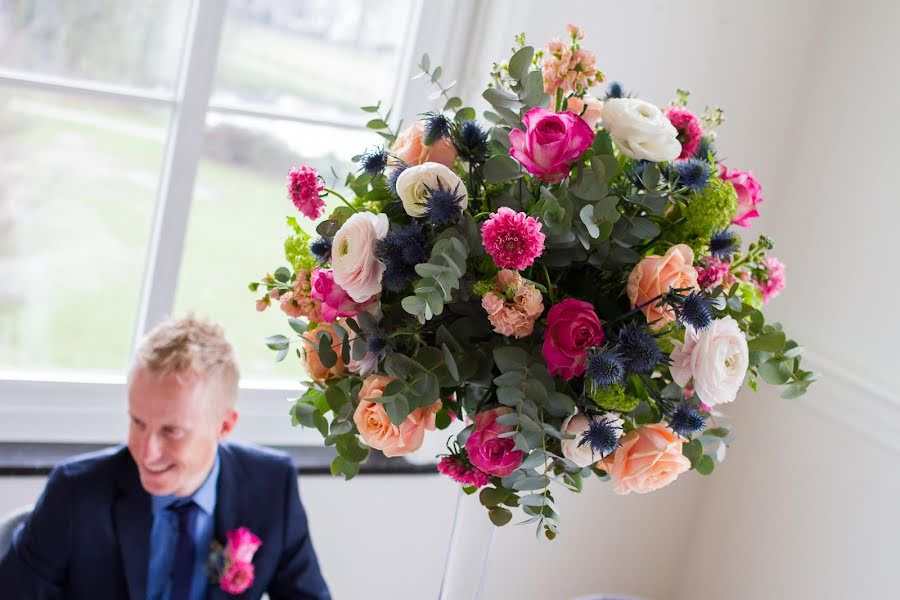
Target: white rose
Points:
(640, 130)
(356, 267)
(576, 424)
(716, 358)
(413, 185)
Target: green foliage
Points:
(440, 277)
(613, 397)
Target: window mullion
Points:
(183, 149)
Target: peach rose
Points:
(376, 428)
(647, 459)
(317, 371)
(409, 148)
(655, 275)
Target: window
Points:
(144, 148)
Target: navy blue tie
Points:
(183, 563)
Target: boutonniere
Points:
(231, 565)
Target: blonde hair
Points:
(190, 345)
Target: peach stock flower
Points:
(299, 301)
(317, 371)
(588, 108)
(513, 305)
(655, 275)
(647, 459)
(376, 428)
(409, 148)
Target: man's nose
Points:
(151, 449)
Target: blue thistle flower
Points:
(601, 436)
(696, 311)
(724, 243)
(321, 249)
(377, 344)
(604, 367)
(686, 420)
(472, 142)
(395, 173)
(615, 90)
(638, 349)
(705, 150)
(437, 126)
(442, 205)
(693, 173)
(374, 161)
(400, 251)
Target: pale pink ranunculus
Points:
(310, 358)
(237, 578)
(572, 328)
(588, 108)
(514, 305)
(335, 301)
(647, 459)
(409, 148)
(655, 275)
(376, 428)
(749, 193)
(354, 262)
(550, 143)
(715, 358)
(493, 455)
(242, 545)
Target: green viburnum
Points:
(612, 397)
(296, 251)
(749, 294)
(707, 212)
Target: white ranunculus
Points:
(576, 424)
(355, 265)
(716, 358)
(640, 130)
(413, 185)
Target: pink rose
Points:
(354, 263)
(335, 300)
(550, 142)
(588, 108)
(749, 193)
(493, 455)
(572, 328)
(655, 275)
(409, 148)
(376, 427)
(647, 459)
(237, 578)
(242, 545)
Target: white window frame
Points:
(73, 406)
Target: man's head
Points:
(182, 392)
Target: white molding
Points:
(853, 401)
(83, 87)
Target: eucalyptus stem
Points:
(549, 285)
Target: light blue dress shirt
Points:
(164, 536)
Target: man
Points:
(140, 522)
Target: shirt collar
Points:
(204, 497)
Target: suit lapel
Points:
(229, 508)
(133, 518)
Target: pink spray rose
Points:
(572, 328)
(550, 142)
(647, 459)
(749, 193)
(237, 578)
(242, 545)
(689, 131)
(335, 300)
(493, 455)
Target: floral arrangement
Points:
(565, 277)
(231, 566)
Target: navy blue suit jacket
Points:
(89, 534)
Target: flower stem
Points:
(549, 285)
(344, 200)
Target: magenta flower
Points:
(458, 469)
(304, 187)
(550, 143)
(749, 194)
(336, 302)
(242, 545)
(493, 455)
(237, 578)
(572, 328)
(712, 271)
(773, 280)
(513, 239)
(689, 131)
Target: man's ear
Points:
(228, 423)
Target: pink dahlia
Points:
(689, 130)
(773, 280)
(459, 469)
(712, 271)
(304, 187)
(513, 239)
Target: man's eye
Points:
(173, 432)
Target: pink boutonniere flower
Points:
(232, 565)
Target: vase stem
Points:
(471, 536)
